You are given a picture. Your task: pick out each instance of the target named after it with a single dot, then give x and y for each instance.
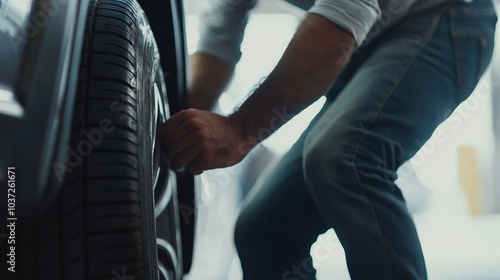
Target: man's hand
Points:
(200, 140)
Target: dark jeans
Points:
(340, 174)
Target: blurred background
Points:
(452, 185)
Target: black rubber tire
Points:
(108, 226)
(103, 224)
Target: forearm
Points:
(314, 58)
(202, 140)
(209, 77)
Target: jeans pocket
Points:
(473, 36)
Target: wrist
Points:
(240, 121)
(255, 115)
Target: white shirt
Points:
(223, 23)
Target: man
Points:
(392, 71)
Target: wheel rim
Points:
(164, 184)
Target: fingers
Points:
(181, 135)
(200, 140)
(179, 146)
(172, 122)
(197, 166)
(174, 127)
(178, 134)
(202, 163)
(183, 158)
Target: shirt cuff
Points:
(222, 26)
(228, 52)
(355, 16)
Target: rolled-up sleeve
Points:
(355, 16)
(222, 25)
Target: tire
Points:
(118, 186)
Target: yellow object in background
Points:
(469, 179)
